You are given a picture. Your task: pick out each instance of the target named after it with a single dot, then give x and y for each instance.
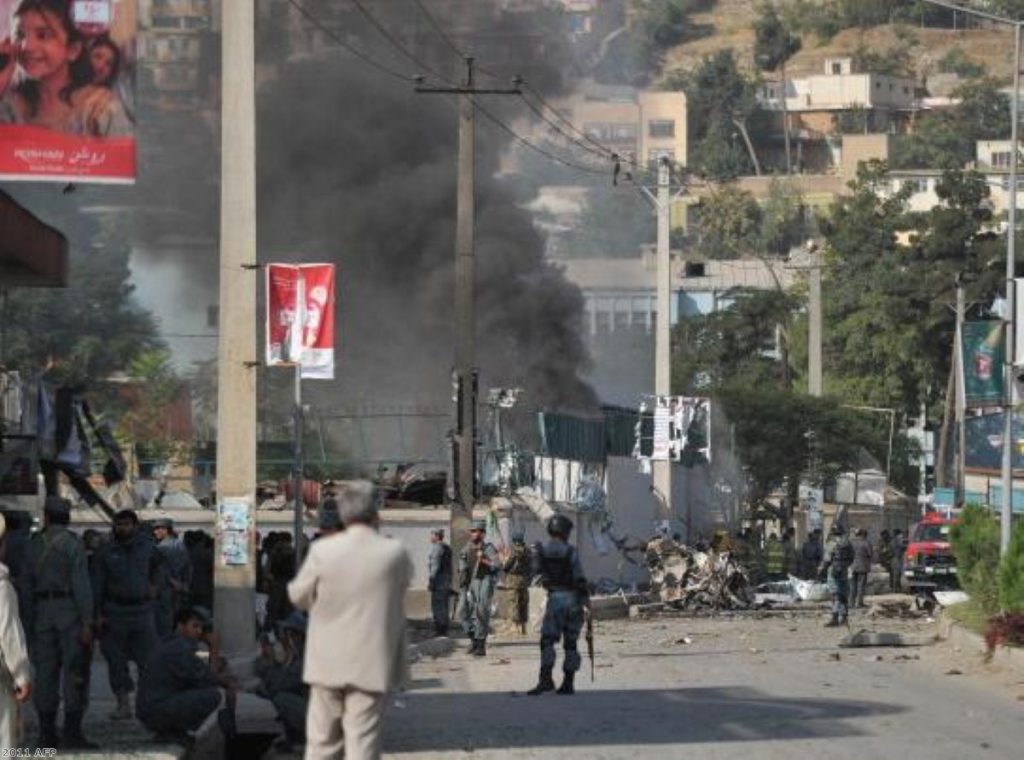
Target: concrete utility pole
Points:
(236, 350)
(465, 375)
(961, 395)
(815, 385)
(662, 202)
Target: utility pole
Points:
(961, 395)
(1006, 513)
(814, 327)
(662, 202)
(465, 374)
(234, 584)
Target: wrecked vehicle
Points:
(688, 579)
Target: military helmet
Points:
(518, 537)
(560, 525)
(163, 522)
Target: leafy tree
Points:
(896, 61)
(781, 435)
(729, 225)
(89, 330)
(1011, 573)
(719, 98)
(774, 44)
(659, 25)
(147, 422)
(948, 139)
(955, 61)
(975, 542)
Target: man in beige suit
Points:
(353, 585)
(15, 670)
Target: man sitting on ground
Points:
(281, 678)
(177, 690)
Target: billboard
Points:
(67, 84)
(300, 318)
(982, 361)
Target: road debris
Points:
(864, 638)
(687, 579)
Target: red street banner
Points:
(67, 90)
(300, 318)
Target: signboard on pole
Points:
(682, 430)
(982, 359)
(300, 318)
(67, 116)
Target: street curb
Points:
(955, 634)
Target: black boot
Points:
(567, 683)
(544, 683)
(472, 646)
(73, 738)
(48, 737)
(481, 648)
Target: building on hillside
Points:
(640, 125)
(179, 51)
(839, 100)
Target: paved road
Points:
(743, 688)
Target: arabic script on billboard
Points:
(300, 318)
(67, 84)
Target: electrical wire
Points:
(396, 43)
(364, 57)
(372, 62)
(439, 29)
(607, 156)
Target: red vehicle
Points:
(929, 563)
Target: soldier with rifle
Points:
(558, 564)
(478, 571)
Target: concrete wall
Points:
(663, 106)
(860, 148)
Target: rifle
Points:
(589, 613)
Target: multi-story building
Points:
(178, 50)
(815, 103)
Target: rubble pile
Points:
(688, 579)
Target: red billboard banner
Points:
(300, 318)
(67, 74)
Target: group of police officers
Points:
(125, 592)
(555, 562)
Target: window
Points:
(618, 133)
(1001, 159)
(878, 85)
(602, 323)
(621, 321)
(906, 90)
(694, 269)
(661, 128)
(837, 68)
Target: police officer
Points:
(62, 616)
(838, 558)
(439, 580)
(478, 569)
(558, 564)
(129, 575)
(177, 576)
(517, 579)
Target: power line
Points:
(609, 155)
(438, 28)
(364, 57)
(395, 42)
(536, 148)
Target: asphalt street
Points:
(734, 687)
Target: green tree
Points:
(975, 540)
(720, 98)
(774, 45)
(658, 25)
(729, 225)
(148, 420)
(1011, 573)
(89, 330)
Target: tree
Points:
(773, 46)
(729, 225)
(719, 97)
(89, 330)
(659, 25)
(148, 422)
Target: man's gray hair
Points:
(357, 502)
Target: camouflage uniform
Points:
(838, 558)
(517, 578)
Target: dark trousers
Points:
(127, 637)
(182, 712)
(858, 588)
